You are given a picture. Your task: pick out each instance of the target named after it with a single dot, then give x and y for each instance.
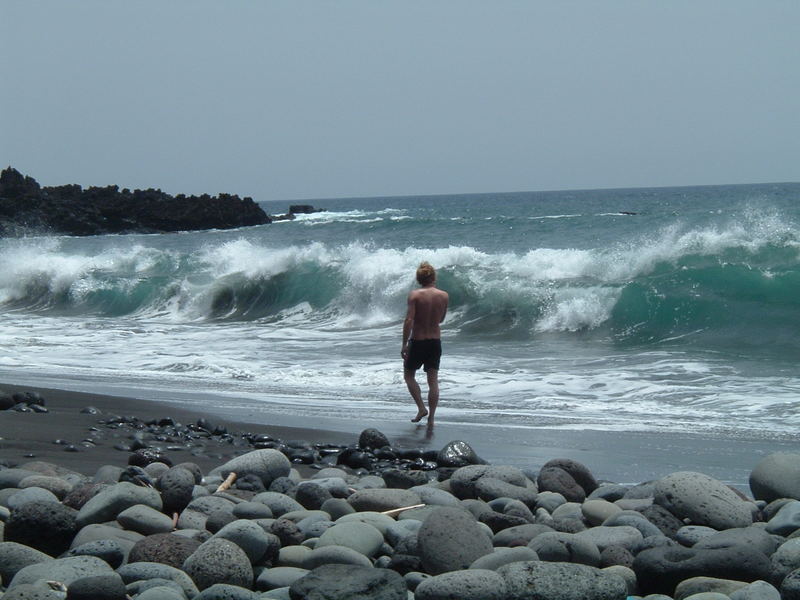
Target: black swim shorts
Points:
(423, 352)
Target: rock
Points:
(200, 509)
(82, 493)
(279, 577)
(219, 561)
(161, 592)
(450, 540)
(565, 547)
(560, 581)
(747, 536)
(287, 532)
(380, 500)
(463, 482)
(109, 551)
(6, 401)
(659, 570)
(579, 472)
(355, 459)
(633, 519)
(256, 543)
(138, 571)
(549, 500)
(223, 591)
(372, 439)
(14, 556)
(698, 585)
(32, 494)
(500, 521)
(703, 500)
(99, 533)
(397, 478)
(72, 210)
(107, 504)
(517, 508)
(504, 556)
(331, 554)
(45, 526)
(266, 464)
(400, 530)
(603, 537)
(556, 479)
(458, 454)
(475, 584)
(666, 522)
(40, 590)
(344, 582)
(616, 556)
(596, 512)
(776, 476)
(303, 209)
(55, 485)
(145, 520)
(311, 495)
(758, 590)
(489, 488)
(145, 456)
(65, 570)
(786, 521)
(253, 510)
(98, 587)
(624, 573)
(176, 487)
(279, 504)
(337, 507)
(165, 548)
(11, 478)
(295, 556)
(519, 535)
(691, 534)
(361, 537)
(611, 492)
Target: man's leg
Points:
(433, 392)
(416, 394)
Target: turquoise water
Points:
(672, 309)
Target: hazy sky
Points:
(311, 99)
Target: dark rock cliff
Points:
(25, 206)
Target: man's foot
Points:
(420, 415)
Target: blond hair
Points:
(426, 274)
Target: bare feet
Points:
(420, 415)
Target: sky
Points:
(301, 99)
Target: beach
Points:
(621, 457)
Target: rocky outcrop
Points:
(26, 207)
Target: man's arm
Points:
(446, 302)
(408, 323)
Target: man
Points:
(422, 345)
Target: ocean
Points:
(664, 309)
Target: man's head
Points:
(426, 274)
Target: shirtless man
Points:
(422, 343)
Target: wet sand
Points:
(623, 457)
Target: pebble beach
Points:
(108, 500)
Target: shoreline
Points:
(622, 457)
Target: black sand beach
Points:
(623, 457)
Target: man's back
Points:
(429, 309)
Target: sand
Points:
(622, 457)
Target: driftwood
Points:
(397, 511)
(227, 483)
